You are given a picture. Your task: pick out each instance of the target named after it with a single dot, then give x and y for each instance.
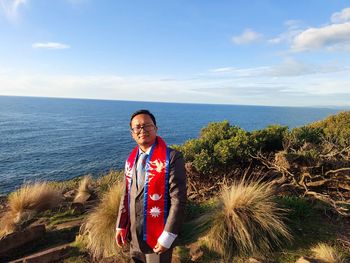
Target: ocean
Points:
(59, 139)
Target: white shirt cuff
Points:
(166, 239)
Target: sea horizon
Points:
(338, 107)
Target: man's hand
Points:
(159, 249)
(119, 237)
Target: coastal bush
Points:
(269, 139)
(204, 162)
(98, 229)
(336, 128)
(326, 253)
(248, 221)
(26, 202)
(220, 145)
(234, 149)
(305, 134)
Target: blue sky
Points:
(282, 53)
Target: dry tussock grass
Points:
(327, 254)
(248, 221)
(26, 202)
(98, 229)
(84, 188)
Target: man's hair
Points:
(147, 112)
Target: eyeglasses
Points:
(146, 127)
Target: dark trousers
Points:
(154, 258)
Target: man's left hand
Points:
(159, 249)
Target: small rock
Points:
(70, 194)
(50, 255)
(17, 239)
(70, 225)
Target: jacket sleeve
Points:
(123, 214)
(177, 193)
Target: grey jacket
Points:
(177, 202)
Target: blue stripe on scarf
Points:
(166, 211)
(145, 194)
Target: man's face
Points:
(147, 135)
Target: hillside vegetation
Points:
(310, 160)
(270, 195)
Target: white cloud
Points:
(248, 36)
(342, 16)
(293, 29)
(11, 8)
(222, 70)
(50, 45)
(290, 67)
(332, 37)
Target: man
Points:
(152, 207)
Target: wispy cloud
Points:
(11, 8)
(50, 45)
(293, 29)
(248, 36)
(289, 67)
(331, 37)
(341, 16)
(222, 70)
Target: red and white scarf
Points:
(156, 189)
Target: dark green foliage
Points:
(269, 139)
(305, 134)
(298, 208)
(221, 145)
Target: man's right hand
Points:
(119, 237)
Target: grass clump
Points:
(26, 202)
(84, 189)
(326, 253)
(248, 221)
(98, 230)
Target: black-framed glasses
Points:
(147, 127)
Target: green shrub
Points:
(336, 128)
(236, 148)
(217, 131)
(269, 139)
(305, 134)
(190, 149)
(204, 162)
